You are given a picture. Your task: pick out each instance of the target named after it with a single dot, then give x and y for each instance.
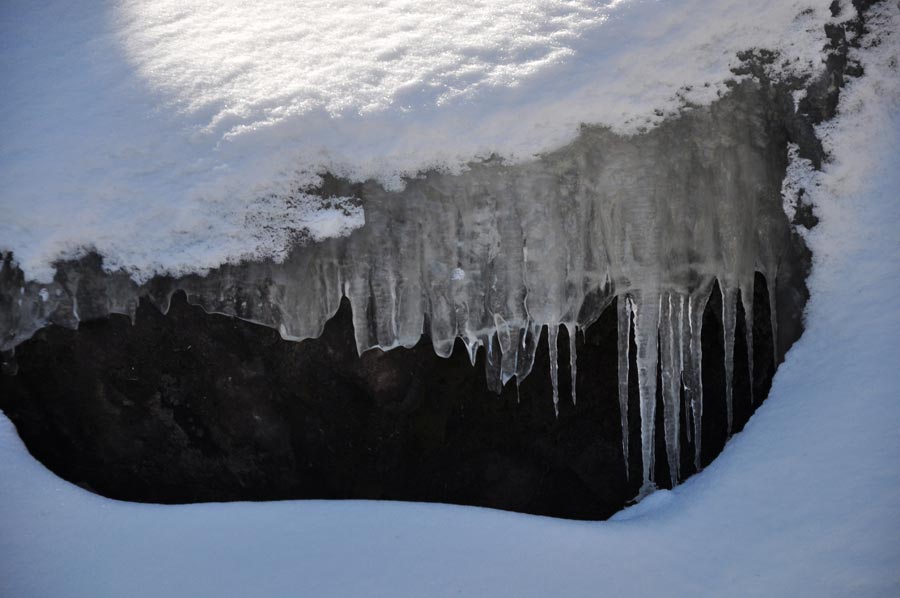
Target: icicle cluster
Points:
(492, 255)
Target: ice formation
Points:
(494, 254)
(202, 146)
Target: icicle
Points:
(773, 319)
(471, 343)
(492, 364)
(573, 360)
(392, 331)
(673, 428)
(696, 307)
(688, 412)
(747, 303)
(624, 319)
(682, 313)
(683, 355)
(552, 337)
(729, 317)
(646, 330)
(670, 375)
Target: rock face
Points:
(652, 248)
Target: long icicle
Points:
(773, 319)
(687, 367)
(697, 306)
(573, 360)
(729, 317)
(747, 303)
(623, 309)
(677, 328)
(683, 356)
(647, 340)
(552, 338)
(669, 376)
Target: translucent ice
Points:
(552, 339)
(493, 254)
(624, 355)
(573, 361)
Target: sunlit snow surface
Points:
(804, 502)
(163, 134)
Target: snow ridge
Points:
(156, 132)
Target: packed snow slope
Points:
(804, 502)
(176, 136)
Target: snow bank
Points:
(166, 134)
(803, 502)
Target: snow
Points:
(162, 133)
(805, 501)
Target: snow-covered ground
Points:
(804, 502)
(168, 134)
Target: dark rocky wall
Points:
(196, 407)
